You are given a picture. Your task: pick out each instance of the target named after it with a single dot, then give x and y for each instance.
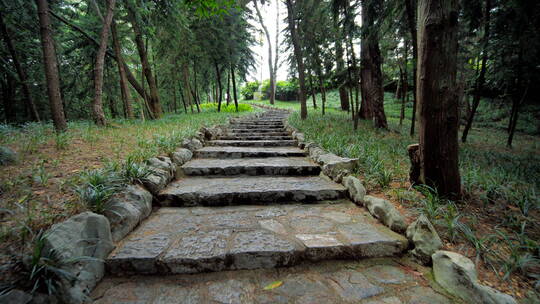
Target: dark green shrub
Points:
(249, 89)
(287, 90)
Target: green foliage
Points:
(249, 89)
(46, 267)
(212, 107)
(133, 172)
(287, 90)
(97, 187)
(62, 140)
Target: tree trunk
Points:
(411, 20)
(514, 115)
(97, 103)
(371, 60)
(343, 96)
(270, 64)
(276, 56)
(51, 67)
(219, 89)
(154, 95)
(124, 89)
(30, 105)
(234, 88)
(312, 87)
(482, 77)
(7, 98)
(321, 88)
(297, 47)
(402, 81)
(437, 96)
(356, 109)
(228, 88)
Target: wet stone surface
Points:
(239, 152)
(323, 282)
(192, 240)
(251, 166)
(219, 191)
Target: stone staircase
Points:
(251, 200)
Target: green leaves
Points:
(208, 8)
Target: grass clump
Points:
(212, 107)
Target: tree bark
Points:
(97, 103)
(371, 60)
(297, 47)
(30, 105)
(343, 96)
(228, 87)
(51, 67)
(482, 76)
(410, 9)
(124, 89)
(234, 88)
(437, 96)
(219, 89)
(154, 95)
(312, 88)
(7, 98)
(270, 62)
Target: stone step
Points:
(199, 239)
(257, 133)
(221, 191)
(239, 152)
(252, 143)
(256, 137)
(259, 121)
(255, 126)
(255, 130)
(252, 166)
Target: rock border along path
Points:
(249, 206)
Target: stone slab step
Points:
(252, 143)
(256, 137)
(221, 191)
(254, 126)
(198, 239)
(255, 130)
(252, 166)
(257, 133)
(239, 152)
(259, 121)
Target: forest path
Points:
(249, 204)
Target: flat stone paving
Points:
(219, 191)
(239, 152)
(200, 239)
(252, 143)
(252, 166)
(371, 281)
(200, 254)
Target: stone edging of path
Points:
(454, 272)
(92, 236)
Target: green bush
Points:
(287, 90)
(212, 107)
(249, 88)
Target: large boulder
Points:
(181, 156)
(385, 212)
(334, 165)
(84, 235)
(425, 239)
(315, 151)
(163, 170)
(212, 132)
(458, 276)
(192, 144)
(7, 156)
(127, 209)
(355, 188)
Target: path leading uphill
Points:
(250, 210)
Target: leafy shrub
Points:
(133, 172)
(249, 88)
(212, 107)
(287, 90)
(97, 188)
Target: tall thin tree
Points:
(97, 103)
(298, 55)
(51, 67)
